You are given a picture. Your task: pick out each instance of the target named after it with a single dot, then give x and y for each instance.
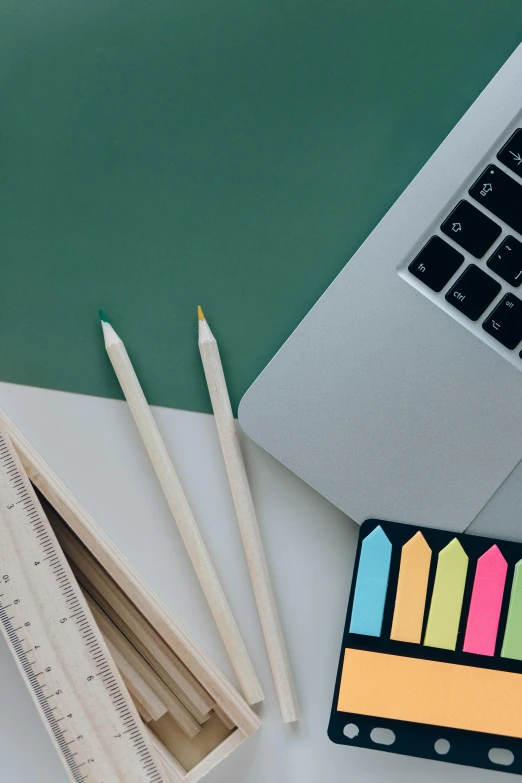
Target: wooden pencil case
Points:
(226, 719)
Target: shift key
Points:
(501, 195)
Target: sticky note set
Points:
(431, 661)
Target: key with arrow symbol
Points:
(469, 227)
(511, 153)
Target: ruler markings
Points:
(42, 699)
(14, 477)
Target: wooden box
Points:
(231, 719)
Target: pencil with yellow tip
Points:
(182, 514)
(248, 524)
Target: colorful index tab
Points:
(446, 601)
(486, 603)
(411, 590)
(512, 645)
(372, 584)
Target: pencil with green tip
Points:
(182, 514)
(248, 524)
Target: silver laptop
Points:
(399, 396)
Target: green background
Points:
(230, 153)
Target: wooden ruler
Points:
(58, 647)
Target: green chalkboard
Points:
(230, 153)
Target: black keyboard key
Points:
(511, 153)
(471, 229)
(501, 194)
(505, 322)
(506, 261)
(473, 292)
(436, 263)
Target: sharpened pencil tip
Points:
(201, 317)
(103, 317)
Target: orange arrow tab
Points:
(410, 600)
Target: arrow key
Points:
(471, 229)
(505, 322)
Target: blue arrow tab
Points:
(372, 584)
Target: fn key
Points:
(436, 263)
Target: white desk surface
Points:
(93, 446)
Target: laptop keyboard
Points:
(476, 231)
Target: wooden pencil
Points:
(182, 514)
(248, 524)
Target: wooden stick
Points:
(132, 584)
(139, 665)
(140, 706)
(143, 650)
(148, 703)
(248, 525)
(139, 645)
(116, 604)
(141, 668)
(183, 516)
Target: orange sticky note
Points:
(433, 692)
(410, 599)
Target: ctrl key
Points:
(473, 292)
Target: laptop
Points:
(399, 396)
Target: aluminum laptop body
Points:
(392, 398)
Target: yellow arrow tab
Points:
(446, 601)
(410, 599)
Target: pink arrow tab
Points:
(486, 602)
